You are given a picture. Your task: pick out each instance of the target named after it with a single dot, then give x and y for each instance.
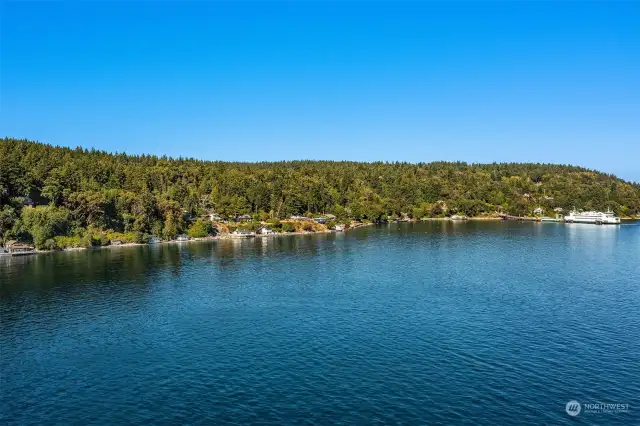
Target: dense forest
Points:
(54, 196)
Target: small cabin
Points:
(182, 237)
(116, 242)
(340, 227)
(322, 220)
(214, 217)
(265, 231)
(538, 210)
(244, 218)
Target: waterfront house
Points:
(265, 231)
(182, 237)
(16, 248)
(115, 242)
(558, 210)
(214, 217)
(538, 210)
(244, 218)
(242, 233)
(320, 220)
(340, 227)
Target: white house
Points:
(241, 233)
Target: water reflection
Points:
(144, 264)
(380, 316)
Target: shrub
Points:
(249, 226)
(125, 237)
(288, 227)
(200, 229)
(275, 224)
(49, 244)
(72, 242)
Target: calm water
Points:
(454, 323)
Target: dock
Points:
(519, 218)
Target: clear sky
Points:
(415, 81)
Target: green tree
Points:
(170, 230)
(200, 229)
(43, 223)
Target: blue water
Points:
(434, 323)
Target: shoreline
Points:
(227, 236)
(194, 240)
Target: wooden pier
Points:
(520, 218)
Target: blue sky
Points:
(414, 81)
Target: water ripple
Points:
(438, 323)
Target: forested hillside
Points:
(77, 192)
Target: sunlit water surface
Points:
(434, 323)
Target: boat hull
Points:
(605, 221)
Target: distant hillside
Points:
(146, 194)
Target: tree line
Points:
(88, 195)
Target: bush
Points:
(249, 226)
(288, 227)
(49, 244)
(72, 242)
(126, 237)
(200, 229)
(98, 239)
(275, 224)
(307, 226)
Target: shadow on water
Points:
(141, 265)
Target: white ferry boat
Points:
(599, 218)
